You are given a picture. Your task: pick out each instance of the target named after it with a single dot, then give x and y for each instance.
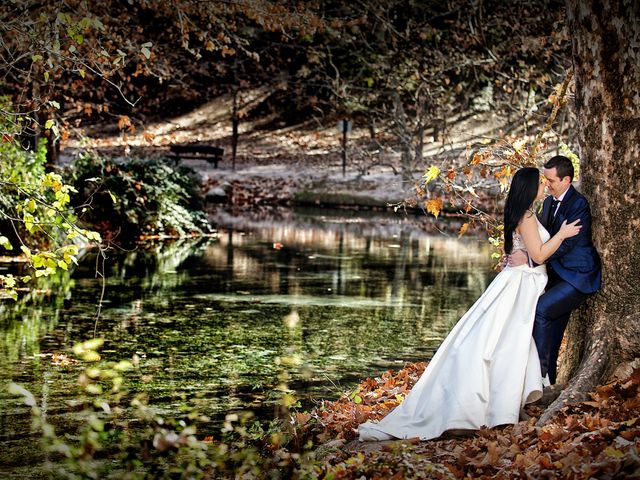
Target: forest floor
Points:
(596, 438)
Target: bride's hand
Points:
(568, 230)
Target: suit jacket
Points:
(576, 261)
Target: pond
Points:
(328, 299)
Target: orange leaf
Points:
(493, 455)
(124, 122)
(148, 136)
(463, 229)
(302, 418)
(545, 462)
(434, 206)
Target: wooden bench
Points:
(199, 151)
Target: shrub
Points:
(137, 198)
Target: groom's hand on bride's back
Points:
(517, 258)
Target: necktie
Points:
(552, 211)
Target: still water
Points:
(329, 300)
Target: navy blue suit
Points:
(574, 272)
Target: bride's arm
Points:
(539, 251)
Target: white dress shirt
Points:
(559, 199)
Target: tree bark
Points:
(606, 56)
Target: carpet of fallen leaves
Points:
(253, 192)
(598, 438)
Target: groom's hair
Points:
(563, 166)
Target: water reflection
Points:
(211, 317)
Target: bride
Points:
(487, 368)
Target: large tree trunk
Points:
(606, 55)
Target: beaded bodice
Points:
(518, 242)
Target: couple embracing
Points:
(504, 350)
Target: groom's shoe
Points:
(524, 416)
(549, 394)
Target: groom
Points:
(574, 270)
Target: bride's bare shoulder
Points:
(529, 216)
(528, 219)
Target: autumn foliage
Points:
(598, 438)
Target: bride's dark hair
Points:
(522, 193)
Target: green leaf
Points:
(92, 344)
(123, 365)
(27, 396)
(48, 124)
(54, 104)
(5, 243)
(93, 388)
(431, 174)
(93, 236)
(36, 58)
(26, 279)
(46, 76)
(113, 197)
(96, 424)
(62, 265)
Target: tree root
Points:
(589, 375)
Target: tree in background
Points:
(413, 70)
(64, 62)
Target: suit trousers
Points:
(552, 315)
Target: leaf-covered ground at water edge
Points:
(598, 438)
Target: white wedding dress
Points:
(485, 370)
